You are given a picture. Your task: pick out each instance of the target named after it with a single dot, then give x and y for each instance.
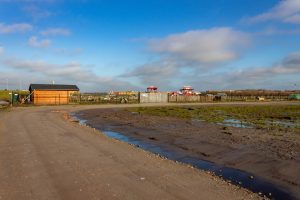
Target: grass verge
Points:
(279, 117)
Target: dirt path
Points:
(43, 156)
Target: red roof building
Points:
(187, 90)
(151, 89)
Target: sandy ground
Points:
(44, 156)
(271, 155)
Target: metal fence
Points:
(103, 99)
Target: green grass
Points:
(280, 117)
(4, 94)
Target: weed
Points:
(272, 117)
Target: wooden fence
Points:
(194, 98)
(254, 98)
(146, 98)
(159, 97)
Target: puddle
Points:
(239, 124)
(80, 121)
(235, 123)
(235, 176)
(135, 113)
(285, 124)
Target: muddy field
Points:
(272, 154)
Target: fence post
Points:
(139, 97)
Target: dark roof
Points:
(53, 87)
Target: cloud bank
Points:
(1, 50)
(287, 11)
(190, 51)
(55, 32)
(14, 28)
(39, 71)
(281, 75)
(35, 42)
(202, 46)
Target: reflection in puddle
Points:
(285, 124)
(235, 123)
(80, 121)
(240, 124)
(235, 176)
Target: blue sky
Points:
(127, 45)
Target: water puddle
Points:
(77, 119)
(285, 124)
(240, 124)
(235, 176)
(235, 123)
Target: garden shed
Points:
(51, 94)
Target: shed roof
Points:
(53, 87)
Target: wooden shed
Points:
(51, 94)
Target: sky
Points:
(115, 45)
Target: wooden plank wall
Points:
(50, 97)
(153, 97)
(194, 98)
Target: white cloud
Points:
(278, 31)
(287, 11)
(287, 70)
(14, 28)
(209, 46)
(189, 51)
(167, 74)
(35, 42)
(295, 19)
(69, 52)
(55, 32)
(1, 50)
(289, 65)
(36, 12)
(155, 73)
(73, 73)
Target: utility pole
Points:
(7, 84)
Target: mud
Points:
(271, 155)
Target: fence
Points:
(144, 97)
(193, 98)
(103, 99)
(254, 98)
(153, 97)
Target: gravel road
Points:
(45, 156)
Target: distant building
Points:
(51, 93)
(152, 89)
(187, 90)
